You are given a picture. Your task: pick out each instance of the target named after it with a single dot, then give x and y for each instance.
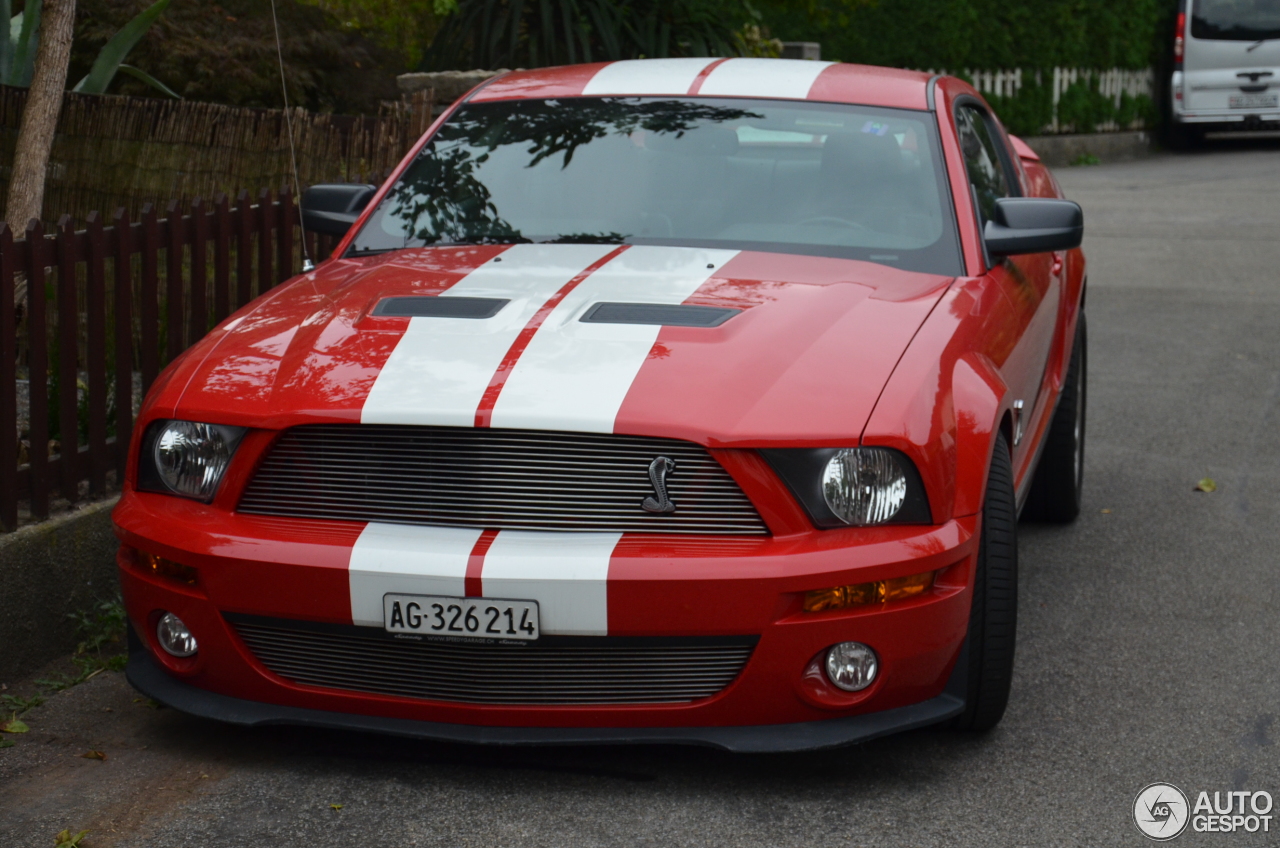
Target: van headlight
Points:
(853, 487)
(186, 458)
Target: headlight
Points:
(186, 458)
(859, 487)
(864, 486)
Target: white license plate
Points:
(1255, 101)
(460, 618)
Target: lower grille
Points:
(554, 670)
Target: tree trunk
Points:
(40, 116)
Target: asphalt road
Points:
(1148, 646)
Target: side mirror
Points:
(332, 209)
(1033, 225)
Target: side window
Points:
(986, 170)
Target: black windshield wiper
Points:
(369, 251)
(587, 238)
(1259, 43)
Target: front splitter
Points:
(149, 679)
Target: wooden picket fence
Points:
(1112, 84)
(114, 151)
(104, 309)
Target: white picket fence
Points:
(1111, 83)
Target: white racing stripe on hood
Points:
(763, 78)
(646, 76)
(412, 560)
(440, 368)
(566, 573)
(574, 376)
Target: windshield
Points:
(1236, 20)
(792, 177)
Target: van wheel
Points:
(1057, 488)
(1184, 136)
(993, 619)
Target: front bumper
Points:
(147, 677)
(658, 587)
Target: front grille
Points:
(553, 670)
(499, 479)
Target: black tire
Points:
(993, 619)
(1184, 137)
(1058, 486)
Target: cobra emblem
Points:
(658, 471)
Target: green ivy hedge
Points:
(977, 34)
(1082, 107)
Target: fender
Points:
(945, 400)
(981, 401)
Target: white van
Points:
(1226, 66)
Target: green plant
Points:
(1030, 110)
(1086, 159)
(111, 57)
(1082, 107)
(17, 705)
(98, 627)
(18, 50)
(978, 34)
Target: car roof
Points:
(789, 79)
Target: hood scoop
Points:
(668, 315)
(430, 306)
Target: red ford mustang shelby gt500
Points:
(678, 400)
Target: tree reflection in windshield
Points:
(441, 200)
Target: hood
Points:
(801, 361)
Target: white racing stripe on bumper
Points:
(566, 573)
(763, 78)
(646, 76)
(574, 376)
(409, 560)
(440, 368)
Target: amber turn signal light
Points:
(862, 594)
(166, 568)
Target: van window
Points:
(1236, 20)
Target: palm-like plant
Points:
(18, 51)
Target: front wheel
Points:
(993, 618)
(1058, 486)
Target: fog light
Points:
(177, 640)
(851, 666)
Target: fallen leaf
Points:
(66, 840)
(1207, 485)
(94, 755)
(204, 776)
(14, 725)
(1106, 512)
(5, 743)
(335, 807)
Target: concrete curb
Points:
(1059, 150)
(48, 570)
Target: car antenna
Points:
(307, 264)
